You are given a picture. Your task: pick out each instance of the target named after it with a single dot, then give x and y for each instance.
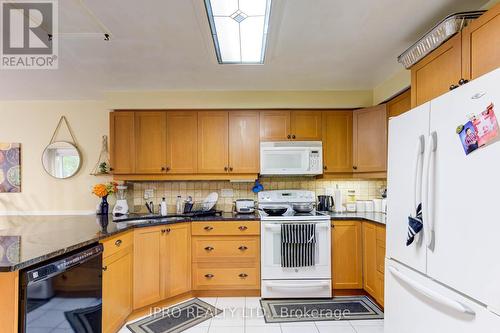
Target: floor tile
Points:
(210, 300)
(370, 322)
(50, 318)
(336, 329)
(196, 329)
(263, 329)
(369, 329)
(230, 302)
(299, 329)
(331, 323)
(299, 323)
(226, 329)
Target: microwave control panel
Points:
(314, 159)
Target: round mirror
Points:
(61, 159)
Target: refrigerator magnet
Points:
(486, 126)
(469, 138)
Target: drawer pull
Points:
(163, 231)
(105, 268)
(209, 248)
(243, 275)
(118, 242)
(168, 230)
(243, 248)
(208, 228)
(242, 227)
(209, 276)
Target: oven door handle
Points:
(274, 227)
(297, 286)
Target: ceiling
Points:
(166, 45)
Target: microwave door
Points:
(284, 161)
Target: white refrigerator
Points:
(448, 279)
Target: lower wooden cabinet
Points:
(117, 289)
(373, 260)
(347, 257)
(9, 302)
(224, 276)
(162, 263)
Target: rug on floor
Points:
(86, 319)
(337, 308)
(176, 318)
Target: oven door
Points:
(271, 253)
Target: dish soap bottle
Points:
(163, 207)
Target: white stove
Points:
(297, 282)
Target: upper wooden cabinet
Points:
(274, 125)
(244, 149)
(306, 125)
(347, 256)
(399, 104)
(284, 125)
(182, 142)
(150, 142)
(337, 141)
(213, 141)
(370, 139)
(481, 44)
(436, 73)
(122, 143)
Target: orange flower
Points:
(100, 190)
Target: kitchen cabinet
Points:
(122, 142)
(281, 125)
(213, 142)
(347, 255)
(150, 142)
(162, 263)
(481, 44)
(399, 104)
(370, 258)
(176, 259)
(274, 125)
(182, 142)
(370, 139)
(436, 73)
(117, 288)
(244, 148)
(306, 125)
(337, 141)
(9, 302)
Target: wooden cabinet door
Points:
(370, 139)
(150, 142)
(148, 287)
(244, 148)
(176, 259)
(122, 144)
(213, 141)
(481, 44)
(399, 104)
(370, 281)
(182, 142)
(274, 125)
(347, 257)
(337, 141)
(117, 290)
(306, 125)
(433, 75)
(9, 302)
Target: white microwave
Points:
(291, 158)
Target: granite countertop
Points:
(28, 240)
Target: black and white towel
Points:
(298, 243)
(415, 225)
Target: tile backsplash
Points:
(230, 191)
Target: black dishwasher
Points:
(63, 295)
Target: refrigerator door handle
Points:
(431, 187)
(431, 294)
(417, 172)
(425, 192)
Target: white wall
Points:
(32, 124)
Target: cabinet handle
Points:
(118, 242)
(208, 228)
(209, 248)
(293, 136)
(168, 169)
(462, 81)
(243, 248)
(355, 167)
(111, 169)
(289, 136)
(163, 231)
(225, 168)
(453, 87)
(325, 167)
(163, 169)
(168, 230)
(209, 276)
(242, 227)
(230, 168)
(105, 268)
(243, 275)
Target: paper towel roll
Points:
(338, 199)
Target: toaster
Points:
(244, 206)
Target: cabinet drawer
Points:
(225, 228)
(225, 249)
(209, 276)
(380, 256)
(115, 244)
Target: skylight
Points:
(239, 29)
